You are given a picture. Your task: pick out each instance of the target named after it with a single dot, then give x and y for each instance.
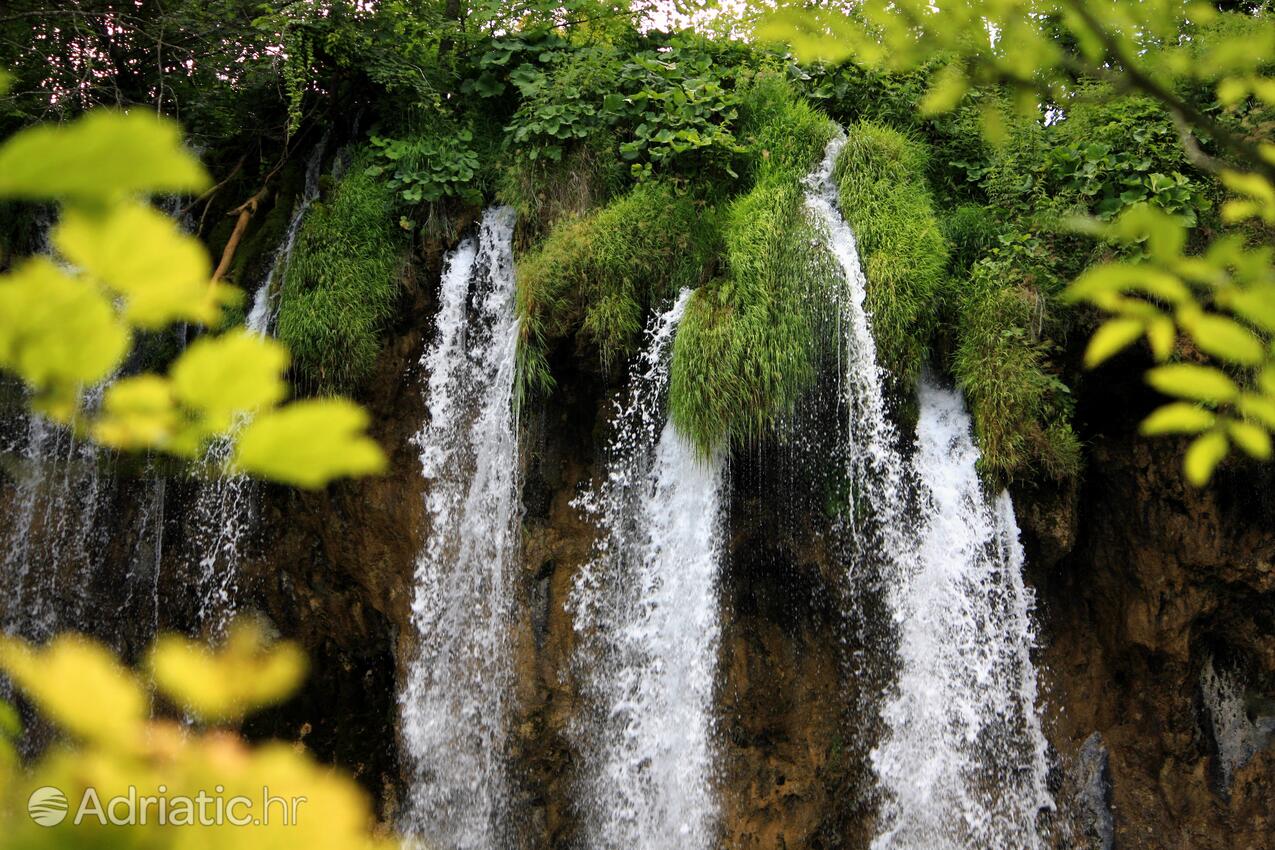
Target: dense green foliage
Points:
(596, 276)
(885, 199)
(747, 347)
(340, 288)
(641, 161)
(1168, 105)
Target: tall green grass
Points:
(1021, 408)
(748, 347)
(340, 288)
(884, 197)
(596, 276)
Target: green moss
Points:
(544, 192)
(339, 288)
(596, 276)
(747, 348)
(785, 134)
(884, 197)
(1021, 409)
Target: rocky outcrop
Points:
(1163, 579)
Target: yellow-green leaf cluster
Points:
(125, 267)
(114, 745)
(1223, 305)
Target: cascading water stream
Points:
(876, 467)
(225, 509)
(454, 700)
(964, 760)
(51, 536)
(646, 610)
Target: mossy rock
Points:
(341, 284)
(596, 276)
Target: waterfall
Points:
(876, 467)
(646, 611)
(454, 700)
(225, 510)
(53, 540)
(962, 760)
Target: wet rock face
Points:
(1163, 580)
(1141, 581)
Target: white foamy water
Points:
(454, 702)
(963, 762)
(876, 466)
(647, 614)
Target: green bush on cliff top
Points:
(747, 348)
(881, 180)
(596, 276)
(339, 288)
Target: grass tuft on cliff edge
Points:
(596, 276)
(339, 288)
(748, 346)
(884, 197)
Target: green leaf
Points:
(309, 443)
(1266, 380)
(103, 155)
(137, 413)
(58, 332)
(236, 373)
(1114, 336)
(1257, 407)
(1203, 456)
(1257, 305)
(948, 89)
(138, 252)
(10, 721)
(1180, 417)
(1250, 437)
(1224, 338)
(1186, 380)
(1161, 334)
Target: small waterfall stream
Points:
(646, 610)
(455, 696)
(225, 510)
(962, 763)
(964, 760)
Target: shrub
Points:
(1021, 408)
(339, 287)
(881, 181)
(595, 276)
(785, 134)
(747, 348)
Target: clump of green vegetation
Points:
(885, 199)
(785, 134)
(596, 276)
(545, 191)
(339, 288)
(1021, 409)
(747, 348)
